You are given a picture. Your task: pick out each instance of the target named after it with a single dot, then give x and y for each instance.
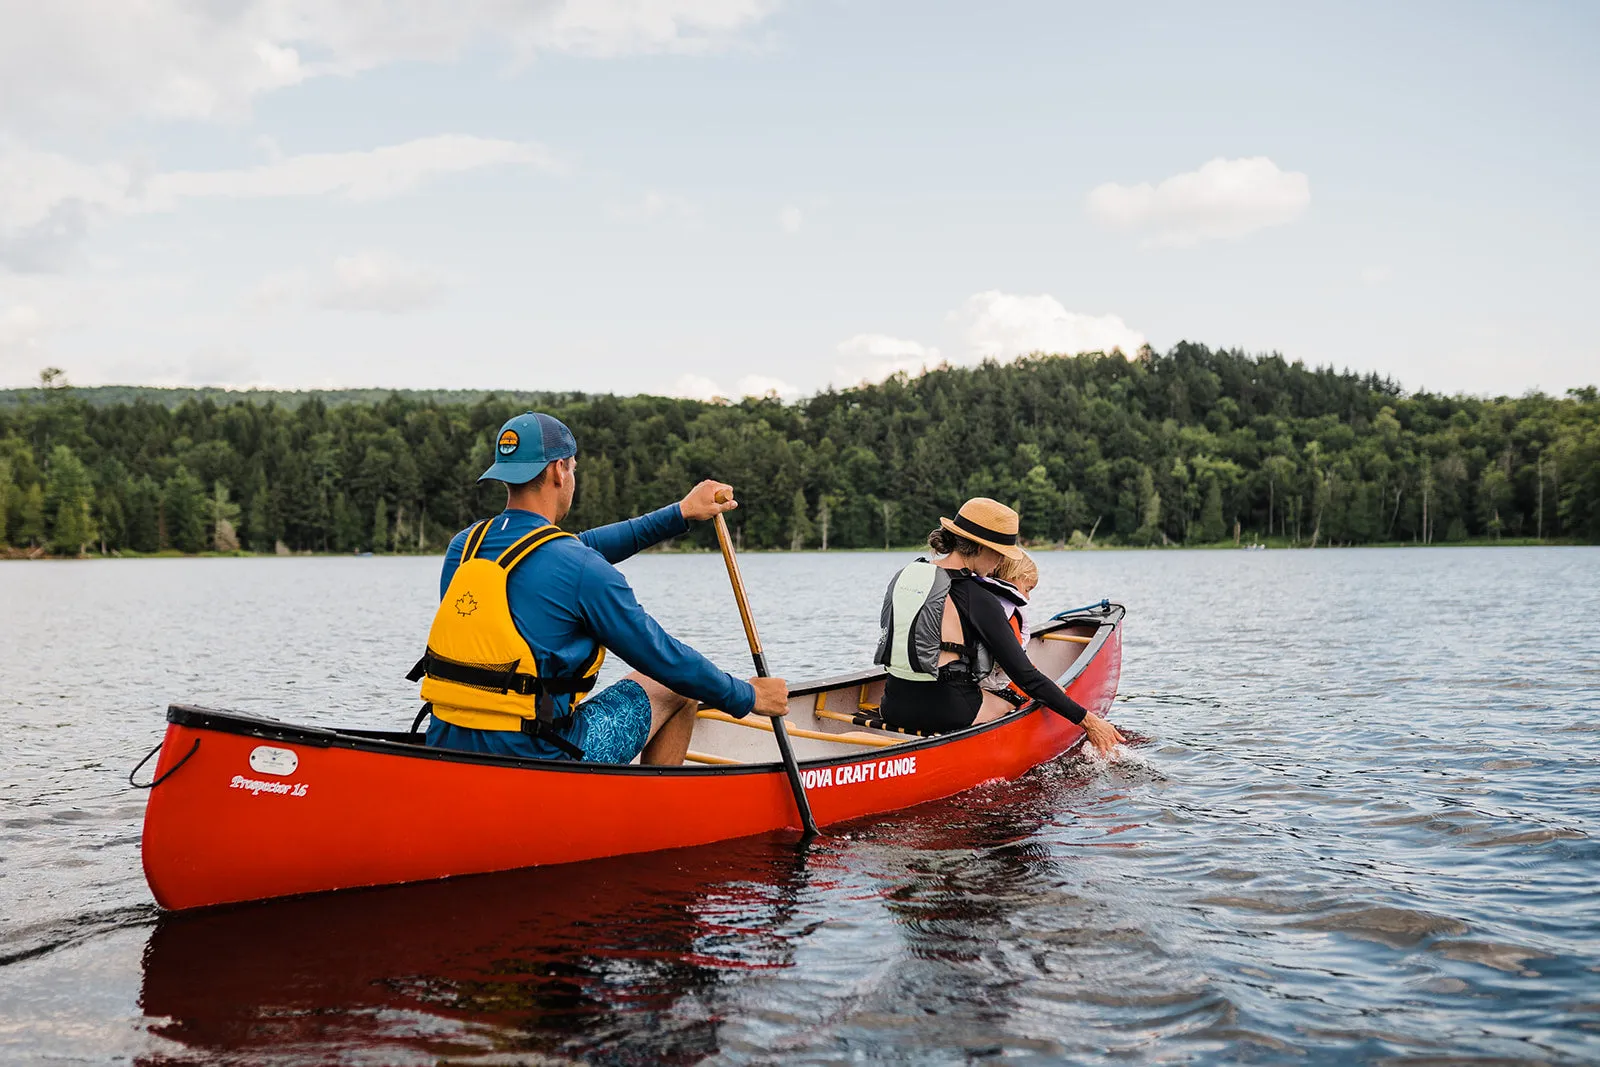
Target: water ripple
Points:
(1356, 821)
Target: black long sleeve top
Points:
(984, 620)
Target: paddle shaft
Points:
(785, 749)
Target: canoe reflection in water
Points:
(610, 953)
(747, 948)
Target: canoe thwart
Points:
(871, 721)
(706, 757)
(1074, 638)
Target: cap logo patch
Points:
(508, 442)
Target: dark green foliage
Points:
(67, 500)
(1155, 450)
(183, 510)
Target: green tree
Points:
(380, 526)
(7, 491)
(68, 498)
(224, 515)
(144, 515)
(800, 529)
(1212, 528)
(183, 509)
(30, 516)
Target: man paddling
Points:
(527, 612)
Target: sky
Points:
(729, 197)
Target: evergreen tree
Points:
(7, 491)
(380, 526)
(30, 516)
(67, 498)
(1132, 451)
(183, 508)
(1211, 525)
(144, 515)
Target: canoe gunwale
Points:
(388, 743)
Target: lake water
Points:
(1361, 823)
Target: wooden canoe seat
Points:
(760, 722)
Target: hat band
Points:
(983, 532)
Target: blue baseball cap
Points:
(526, 445)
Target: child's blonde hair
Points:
(1021, 573)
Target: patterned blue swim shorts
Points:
(611, 727)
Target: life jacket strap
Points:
(960, 650)
(537, 729)
(493, 677)
(474, 540)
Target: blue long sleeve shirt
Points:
(568, 596)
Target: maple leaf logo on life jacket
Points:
(465, 604)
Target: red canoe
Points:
(248, 808)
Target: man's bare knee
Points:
(664, 703)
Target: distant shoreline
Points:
(24, 554)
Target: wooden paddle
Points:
(778, 729)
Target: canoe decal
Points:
(851, 773)
(256, 787)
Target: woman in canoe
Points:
(943, 632)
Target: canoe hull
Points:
(262, 809)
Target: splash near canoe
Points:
(248, 808)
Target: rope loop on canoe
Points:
(170, 770)
(1103, 606)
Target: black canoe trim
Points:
(402, 743)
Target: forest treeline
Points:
(1192, 447)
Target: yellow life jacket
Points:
(479, 671)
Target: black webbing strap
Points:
(535, 728)
(502, 680)
(474, 539)
(964, 651)
(560, 686)
(1010, 696)
(527, 544)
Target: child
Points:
(1014, 581)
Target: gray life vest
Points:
(912, 628)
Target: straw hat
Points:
(987, 522)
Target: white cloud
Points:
(1377, 275)
(95, 61)
(872, 357)
(48, 202)
(762, 385)
(367, 175)
(654, 205)
(1226, 198)
(790, 219)
(697, 387)
(1003, 325)
(374, 283)
(222, 365)
(22, 332)
(275, 292)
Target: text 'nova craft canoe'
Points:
(248, 808)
